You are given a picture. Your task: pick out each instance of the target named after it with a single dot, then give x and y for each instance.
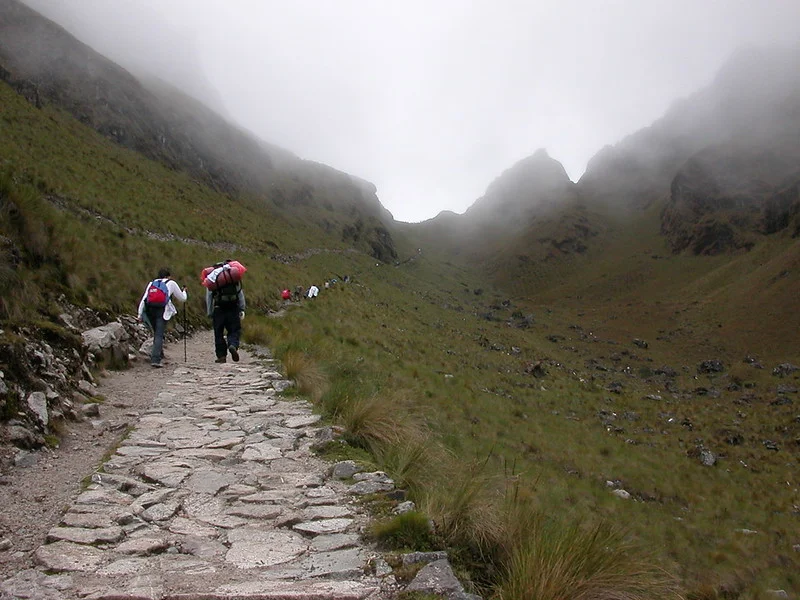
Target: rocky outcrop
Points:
(48, 373)
(753, 101)
(725, 197)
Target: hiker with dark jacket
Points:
(226, 306)
(156, 308)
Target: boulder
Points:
(438, 578)
(37, 404)
(107, 344)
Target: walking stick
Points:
(184, 332)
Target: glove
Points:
(241, 316)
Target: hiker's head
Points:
(163, 273)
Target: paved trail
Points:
(215, 494)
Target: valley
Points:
(617, 354)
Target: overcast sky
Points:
(431, 99)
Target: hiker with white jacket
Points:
(156, 308)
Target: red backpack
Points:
(157, 293)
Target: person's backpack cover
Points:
(222, 274)
(157, 293)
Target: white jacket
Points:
(174, 290)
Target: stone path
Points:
(214, 494)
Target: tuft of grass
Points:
(256, 331)
(306, 373)
(410, 531)
(578, 562)
(409, 461)
(380, 421)
(462, 505)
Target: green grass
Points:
(410, 531)
(561, 562)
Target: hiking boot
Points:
(221, 359)
(234, 353)
(157, 365)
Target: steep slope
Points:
(47, 65)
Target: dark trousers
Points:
(226, 319)
(156, 316)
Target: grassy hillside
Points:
(94, 221)
(545, 400)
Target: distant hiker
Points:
(327, 284)
(286, 295)
(156, 308)
(299, 292)
(313, 291)
(225, 305)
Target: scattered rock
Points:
(537, 369)
(784, 370)
(345, 469)
(437, 578)
(37, 404)
(781, 401)
(87, 388)
(404, 507)
(710, 366)
(416, 558)
(707, 458)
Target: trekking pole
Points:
(184, 332)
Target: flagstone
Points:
(320, 492)
(327, 512)
(104, 496)
(143, 546)
(161, 511)
(68, 556)
(190, 527)
(226, 442)
(79, 535)
(138, 451)
(87, 520)
(323, 526)
(129, 566)
(339, 564)
(237, 490)
(269, 496)
(166, 474)
(262, 451)
(203, 547)
(255, 511)
(251, 548)
(336, 541)
(208, 481)
(154, 497)
(301, 421)
(201, 452)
